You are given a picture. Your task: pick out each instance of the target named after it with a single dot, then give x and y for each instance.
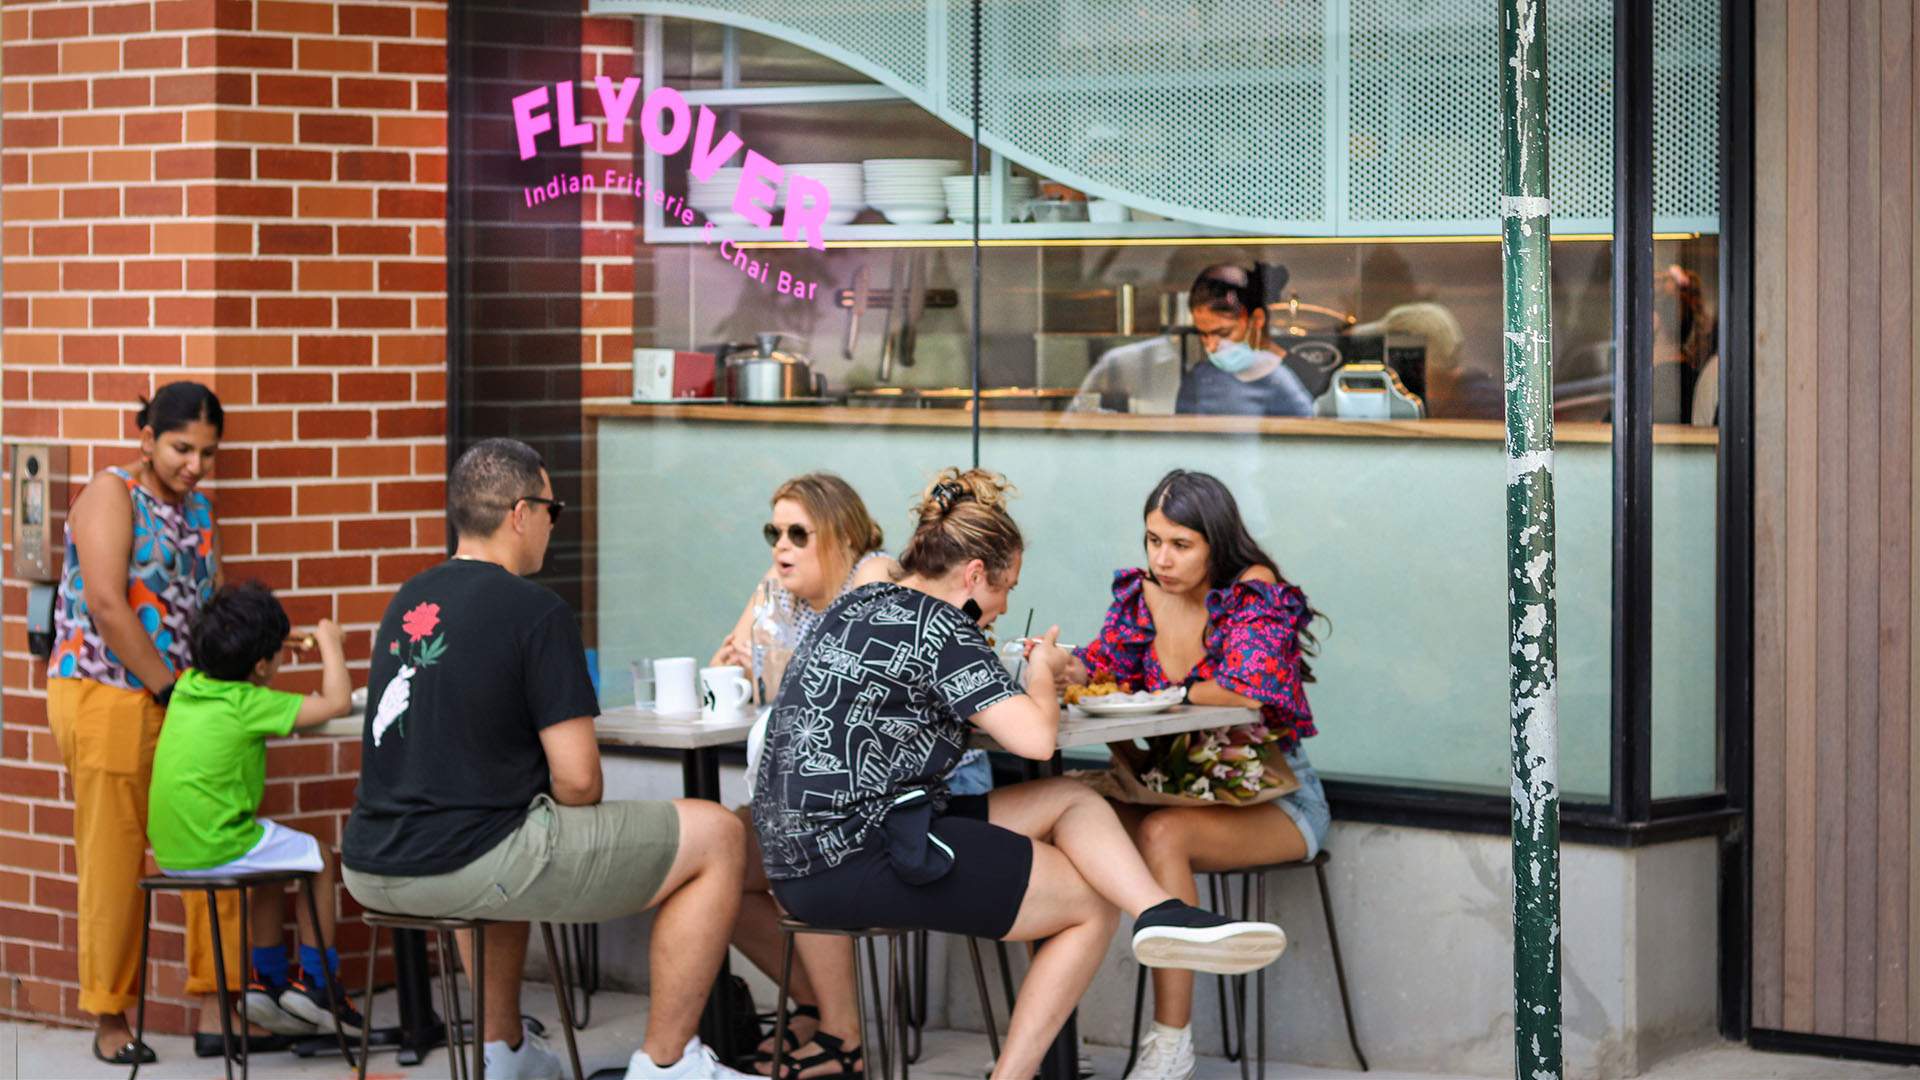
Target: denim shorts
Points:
(971, 775)
(1307, 804)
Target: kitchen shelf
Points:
(1482, 431)
(945, 234)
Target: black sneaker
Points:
(212, 1046)
(261, 1004)
(1178, 935)
(311, 1002)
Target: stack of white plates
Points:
(959, 192)
(845, 184)
(713, 196)
(907, 190)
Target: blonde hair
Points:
(962, 516)
(836, 509)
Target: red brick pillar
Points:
(251, 195)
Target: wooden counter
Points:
(1309, 427)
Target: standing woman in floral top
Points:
(1211, 613)
(141, 559)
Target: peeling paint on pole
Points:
(1532, 653)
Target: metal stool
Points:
(442, 930)
(213, 887)
(580, 955)
(917, 991)
(1253, 901)
(897, 1013)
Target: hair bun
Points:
(955, 487)
(946, 493)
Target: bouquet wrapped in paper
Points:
(1233, 766)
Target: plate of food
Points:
(1120, 699)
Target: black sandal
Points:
(807, 1012)
(129, 1052)
(831, 1050)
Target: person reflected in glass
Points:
(860, 829)
(1686, 361)
(1210, 612)
(1242, 374)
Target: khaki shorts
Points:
(563, 864)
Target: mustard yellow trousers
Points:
(107, 736)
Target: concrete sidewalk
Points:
(37, 1052)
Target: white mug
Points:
(673, 686)
(724, 693)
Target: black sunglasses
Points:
(795, 533)
(554, 506)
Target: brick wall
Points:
(251, 195)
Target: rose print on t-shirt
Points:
(416, 624)
(420, 622)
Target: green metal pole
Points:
(1532, 655)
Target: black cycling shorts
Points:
(980, 896)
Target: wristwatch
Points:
(1186, 693)
(163, 695)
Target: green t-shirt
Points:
(210, 769)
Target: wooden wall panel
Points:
(1862, 465)
(1769, 536)
(1834, 356)
(1896, 498)
(1836, 912)
(1802, 404)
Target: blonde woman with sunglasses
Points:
(823, 543)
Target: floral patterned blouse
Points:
(1252, 648)
(170, 575)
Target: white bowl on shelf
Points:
(916, 217)
(959, 193)
(912, 166)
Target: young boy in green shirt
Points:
(209, 770)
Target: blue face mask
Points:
(1233, 357)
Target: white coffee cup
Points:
(673, 685)
(724, 693)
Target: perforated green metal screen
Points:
(1146, 102)
(1423, 88)
(1315, 116)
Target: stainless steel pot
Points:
(769, 375)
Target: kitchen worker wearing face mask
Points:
(1242, 374)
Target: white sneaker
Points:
(533, 1061)
(697, 1062)
(1165, 1055)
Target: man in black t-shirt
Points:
(480, 780)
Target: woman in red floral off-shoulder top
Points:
(1210, 612)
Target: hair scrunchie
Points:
(947, 493)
